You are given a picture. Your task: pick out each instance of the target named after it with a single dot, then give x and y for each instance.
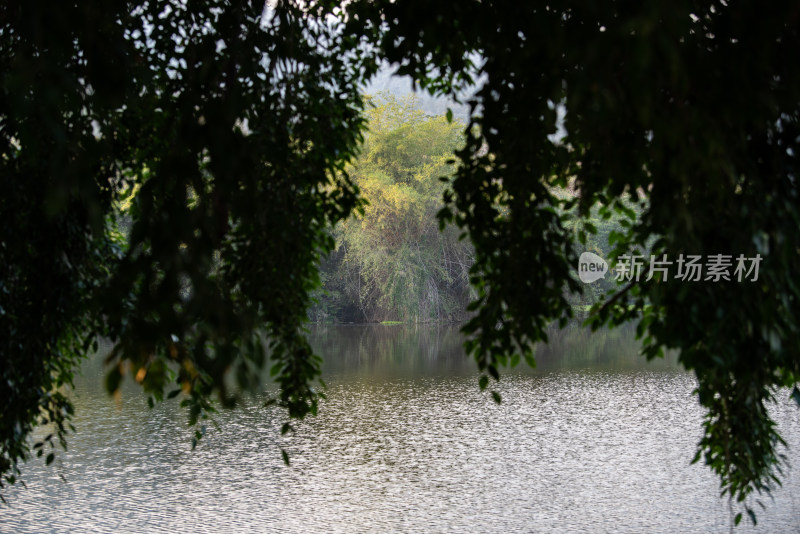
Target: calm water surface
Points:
(594, 440)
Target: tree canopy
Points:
(229, 128)
(226, 130)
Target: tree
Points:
(227, 129)
(392, 262)
(236, 126)
(693, 104)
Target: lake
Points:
(593, 440)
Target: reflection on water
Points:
(593, 441)
(424, 350)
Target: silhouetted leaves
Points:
(691, 105)
(172, 177)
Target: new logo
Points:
(591, 267)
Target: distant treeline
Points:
(391, 262)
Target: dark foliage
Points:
(228, 130)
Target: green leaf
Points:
(530, 359)
(796, 395)
(483, 381)
(752, 515)
(113, 379)
(492, 370)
